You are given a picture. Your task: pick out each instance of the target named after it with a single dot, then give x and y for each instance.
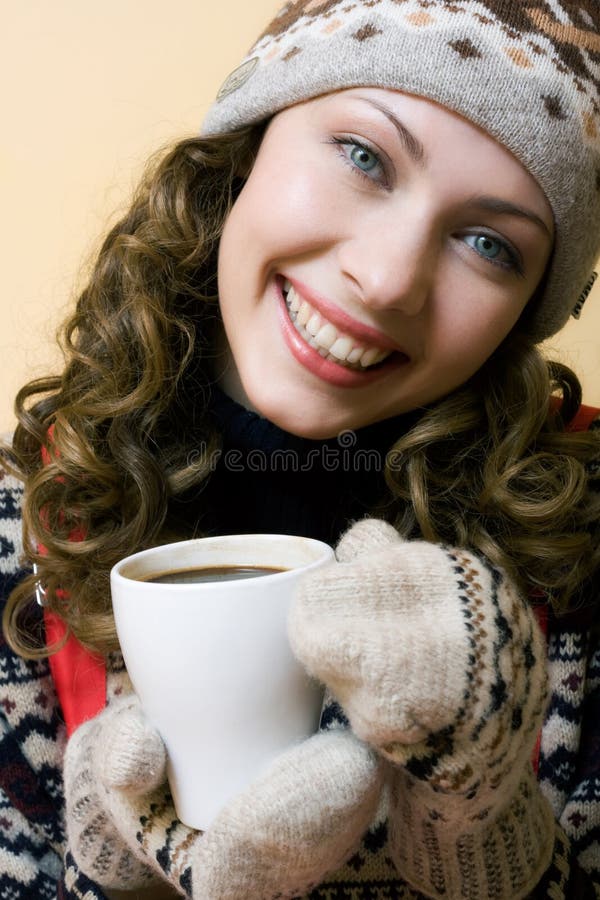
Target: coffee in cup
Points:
(203, 630)
(211, 573)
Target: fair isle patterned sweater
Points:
(35, 863)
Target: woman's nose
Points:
(391, 268)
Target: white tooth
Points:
(323, 351)
(293, 300)
(326, 336)
(304, 314)
(381, 356)
(312, 343)
(313, 326)
(369, 357)
(355, 355)
(341, 348)
(287, 286)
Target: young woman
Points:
(391, 204)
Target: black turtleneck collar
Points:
(267, 480)
(242, 427)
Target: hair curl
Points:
(125, 427)
(493, 467)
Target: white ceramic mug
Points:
(211, 663)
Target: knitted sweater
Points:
(34, 862)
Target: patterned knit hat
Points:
(526, 71)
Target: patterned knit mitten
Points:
(297, 822)
(439, 664)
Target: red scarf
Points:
(79, 676)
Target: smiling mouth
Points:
(330, 342)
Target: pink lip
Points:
(323, 368)
(364, 334)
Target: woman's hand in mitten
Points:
(297, 822)
(439, 664)
(115, 774)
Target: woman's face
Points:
(380, 250)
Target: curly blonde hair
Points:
(489, 466)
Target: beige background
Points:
(90, 89)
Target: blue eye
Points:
(487, 246)
(493, 250)
(363, 158)
(363, 161)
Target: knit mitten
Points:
(439, 664)
(299, 820)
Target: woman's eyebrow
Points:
(411, 144)
(505, 207)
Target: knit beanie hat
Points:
(526, 71)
